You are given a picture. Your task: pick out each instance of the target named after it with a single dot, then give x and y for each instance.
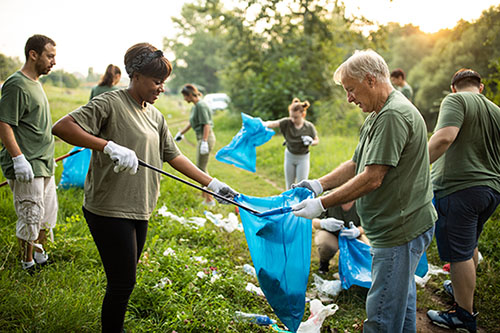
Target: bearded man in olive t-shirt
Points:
(27, 155)
(465, 150)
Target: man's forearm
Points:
(9, 140)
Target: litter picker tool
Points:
(57, 160)
(144, 164)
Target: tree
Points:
(8, 66)
(61, 78)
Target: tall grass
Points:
(66, 296)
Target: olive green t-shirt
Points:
(97, 90)
(401, 208)
(116, 116)
(25, 108)
(293, 135)
(473, 159)
(199, 117)
(344, 215)
(407, 91)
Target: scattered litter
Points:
(163, 282)
(319, 312)
(192, 222)
(200, 259)
(254, 289)
(249, 269)
(215, 276)
(328, 287)
(258, 319)
(433, 270)
(276, 328)
(230, 224)
(201, 275)
(169, 252)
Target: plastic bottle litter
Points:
(254, 289)
(254, 318)
(249, 269)
(328, 287)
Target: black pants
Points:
(119, 242)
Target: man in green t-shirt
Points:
(389, 178)
(465, 150)
(27, 155)
(398, 79)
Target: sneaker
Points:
(323, 268)
(455, 318)
(40, 257)
(448, 288)
(29, 267)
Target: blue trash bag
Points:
(75, 169)
(241, 150)
(280, 246)
(355, 262)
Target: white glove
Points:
(204, 148)
(124, 158)
(309, 208)
(22, 169)
(314, 185)
(306, 140)
(222, 189)
(331, 224)
(352, 232)
(179, 136)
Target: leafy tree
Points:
(61, 78)
(8, 66)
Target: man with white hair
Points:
(389, 177)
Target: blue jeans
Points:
(391, 304)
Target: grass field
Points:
(66, 296)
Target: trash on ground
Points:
(328, 287)
(169, 252)
(319, 312)
(258, 319)
(254, 289)
(230, 224)
(163, 282)
(433, 270)
(249, 269)
(192, 222)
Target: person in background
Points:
(389, 178)
(27, 155)
(299, 135)
(200, 120)
(120, 127)
(398, 79)
(108, 81)
(465, 152)
(330, 226)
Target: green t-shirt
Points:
(407, 91)
(293, 135)
(25, 108)
(200, 116)
(97, 90)
(401, 208)
(116, 116)
(473, 159)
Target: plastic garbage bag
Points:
(355, 263)
(75, 169)
(241, 151)
(327, 287)
(319, 312)
(280, 246)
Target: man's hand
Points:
(352, 232)
(222, 189)
(331, 224)
(22, 169)
(313, 185)
(179, 136)
(307, 140)
(124, 158)
(309, 208)
(204, 148)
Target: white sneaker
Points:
(40, 257)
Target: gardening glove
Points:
(331, 224)
(222, 189)
(313, 185)
(179, 136)
(204, 148)
(351, 232)
(306, 140)
(309, 208)
(22, 169)
(124, 158)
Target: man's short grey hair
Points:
(362, 63)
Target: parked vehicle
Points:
(218, 101)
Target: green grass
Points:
(67, 295)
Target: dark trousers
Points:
(119, 242)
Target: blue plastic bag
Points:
(355, 262)
(280, 246)
(241, 150)
(75, 169)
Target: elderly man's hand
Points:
(309, 208)
(313, 185)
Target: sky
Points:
(96, 33)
